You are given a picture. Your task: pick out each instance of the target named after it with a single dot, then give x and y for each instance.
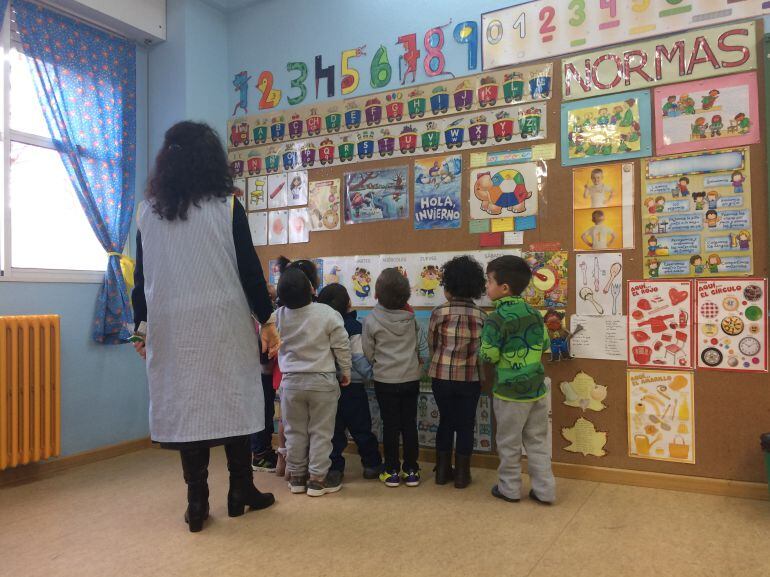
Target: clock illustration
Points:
(749, 346)
(711, 357)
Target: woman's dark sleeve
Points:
(138, 301)
(249, 267)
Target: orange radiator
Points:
(30, 391)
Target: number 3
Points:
(579, 12)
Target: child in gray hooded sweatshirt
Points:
(389, 341)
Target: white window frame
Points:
(9, 273)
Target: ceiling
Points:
(232, 5)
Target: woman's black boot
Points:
(195, 465)
(242, 492)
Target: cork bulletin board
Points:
(731, 410)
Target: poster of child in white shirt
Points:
(602, 199)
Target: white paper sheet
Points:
(278, 232)
(299, 225)
(258, 226)
(602, 337)
(276, 191)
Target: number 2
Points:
(547, 28)
(579, 12)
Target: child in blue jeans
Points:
(353, 409)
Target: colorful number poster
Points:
(696, 215)
(731, 326)
(599, 283)
(256, 193)
(714, 113)
(549, 287)
(437, 187)
(376, 195)
(360, 285)
(603, 206)
(660, 415)
(510, 190)
(278, 227)
(660, 324)
(258, 226)
(297, 191)
(299, 225)
(614, 127)
(323, 204)
(276, 191)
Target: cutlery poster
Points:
(660, 415)
(599, 284)
(731, 329)
(660, 324)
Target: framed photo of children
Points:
(614, 127)
(696, 215)
(603, 206)
(705, 114)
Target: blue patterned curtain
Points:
(3, 6)
(86, 82)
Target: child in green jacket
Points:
(513, 340)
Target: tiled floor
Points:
(123, 517)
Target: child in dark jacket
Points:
(353, 410)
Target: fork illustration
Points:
(615, 294)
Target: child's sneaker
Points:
(390, 478)
(265, 462)
(298, 483)
(411, 478)
(331, 484)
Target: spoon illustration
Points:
(588, 295)
(614, 272)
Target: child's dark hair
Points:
(463, 277)
(294, 290)
(306, 266)
(511, 270)
(336, 296)
(596, 214)
(392, 289)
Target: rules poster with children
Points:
(696, 215)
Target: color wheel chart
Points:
(551, 28)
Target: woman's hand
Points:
(271, 340)
(141, 350)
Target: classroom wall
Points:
(187, 73)
(731, 411)
(104, 387)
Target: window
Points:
(45, 233)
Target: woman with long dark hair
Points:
(198, 282)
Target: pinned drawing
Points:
(600, 283)
(584, 438)
(323, 204)
(505, 190)
(584, 392)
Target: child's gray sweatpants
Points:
(524, 423)
(308, 424)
